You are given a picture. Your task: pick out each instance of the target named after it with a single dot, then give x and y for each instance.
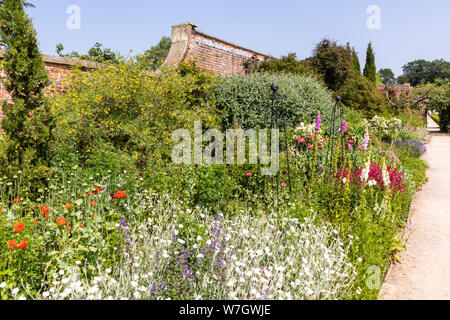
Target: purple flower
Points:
(318, 122)
(365, 142)
(344, 126)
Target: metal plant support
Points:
(276, 118)
(334, 134)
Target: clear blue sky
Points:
(410, 29)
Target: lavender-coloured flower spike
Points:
(365, 142)
(344, 126)
(318, 122)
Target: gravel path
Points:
(424, 270)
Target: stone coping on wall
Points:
(63, 61)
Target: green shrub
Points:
(289, 64)
(122, 117)
(360, 94)
(246, 99)
(333, 62)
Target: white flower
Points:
(200, 256)
(108, 271)
(77, 262)
(65, 281)
(93, 290)
(230, 283)
(46, 294)
(199, 238)
(3, 285)
(61, 272)
(15, 291)
(181, 241)
(134, 284)
(208, 242)
(22, 298)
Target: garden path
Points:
(423, 273)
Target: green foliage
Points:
(370, 69)
(288, 64)
(356, 64)
(387, 76)
(155, 56)
(422, 71)
(122, 117)
(436, 97)
(333, 62)
(246, 98)
(28, 123)
(96, 54)
(361, 94)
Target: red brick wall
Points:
(57, 67)
(56, 73)
(210, 52)
(219, 56)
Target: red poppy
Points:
(23, 245)
(45, 211)
(17, 200)
(68, 206)
(35, 222)
(93, 203)
(69, 228)
(98, 189)
(82, 225)
(12, 244)
(18, 227)
(61, 222)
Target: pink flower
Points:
(284, 185)
(249, 174)
(320, 148)
(310, 146)
(301, 140)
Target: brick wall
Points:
(57, 67)
(211, 53)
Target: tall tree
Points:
(422, 71)
(356, 64)
(387, 76)
(28, 122)
(156, 55)
(333, 62)
(370, 69)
